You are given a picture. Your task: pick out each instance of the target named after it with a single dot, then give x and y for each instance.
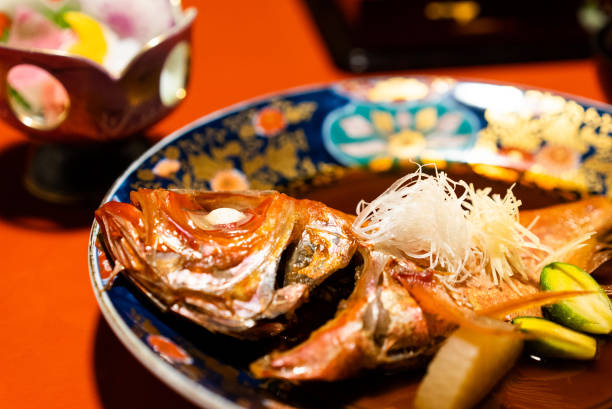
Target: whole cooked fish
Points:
(228, 277)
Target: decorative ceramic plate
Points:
(305, 142)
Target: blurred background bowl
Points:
(102, 106)
(84, 121)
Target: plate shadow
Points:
(89, 171)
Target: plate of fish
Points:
(383, 242)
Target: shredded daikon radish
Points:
(497, 233)
(420, 216)
(476, 232)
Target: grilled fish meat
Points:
(225, 276)
(380, 325)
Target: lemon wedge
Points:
(91, 42)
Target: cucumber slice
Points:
(555, 341)
(587, 313)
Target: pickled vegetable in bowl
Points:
(110, 32)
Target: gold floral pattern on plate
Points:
(242, 154)
(555, 142)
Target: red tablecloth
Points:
(56, 349)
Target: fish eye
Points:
(224, 215)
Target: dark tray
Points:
(374, 35)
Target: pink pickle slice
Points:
(31, 29)
(44, 93)
(55, 100)
(139, 19)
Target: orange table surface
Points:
(56, 350)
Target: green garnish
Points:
(5, 35)
(57, 16)
(590, 313)
(555, 341)
(18, 98)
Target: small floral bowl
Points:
(95, 104)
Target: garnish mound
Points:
(463, 231)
